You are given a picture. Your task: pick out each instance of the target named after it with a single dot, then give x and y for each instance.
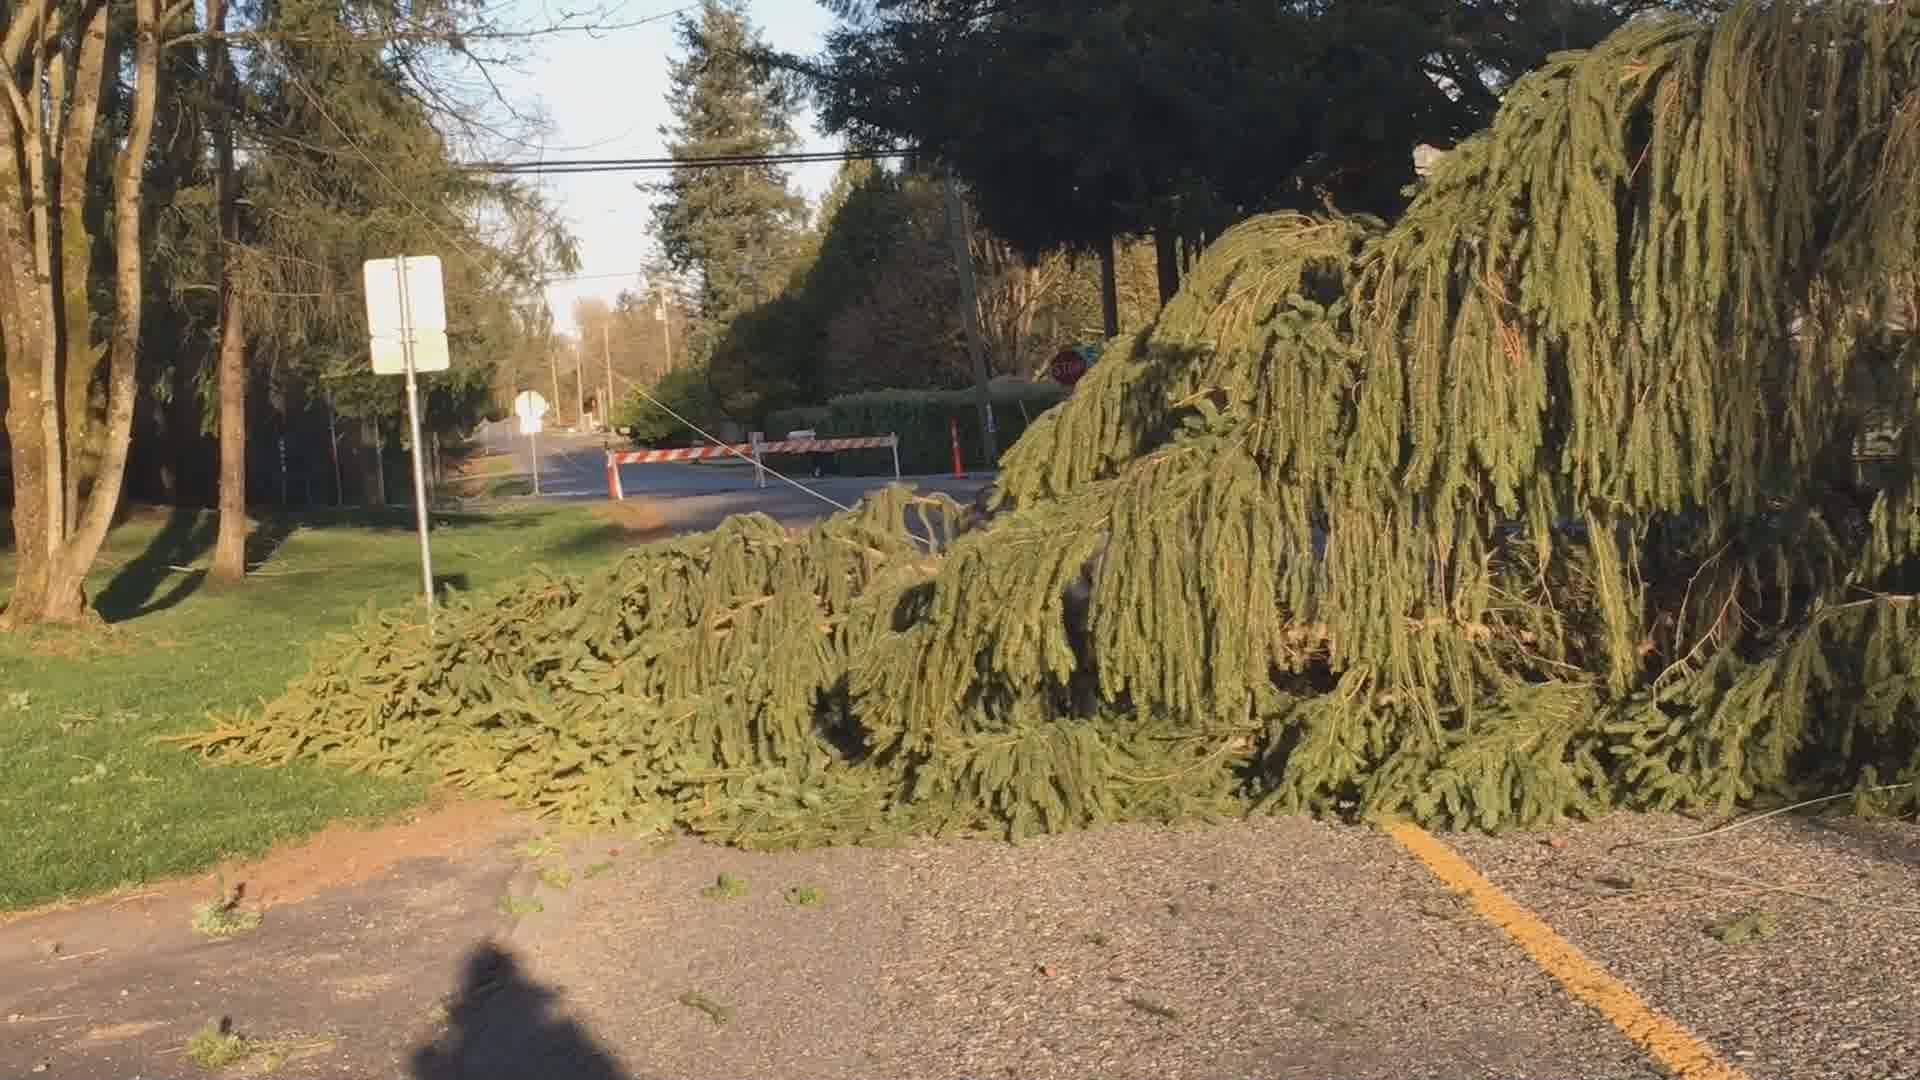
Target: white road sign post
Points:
(530, 407)
(755, 438)
(407, 328)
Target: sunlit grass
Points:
(88, 801)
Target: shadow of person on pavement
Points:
(503, 1024)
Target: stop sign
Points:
(1067, 367)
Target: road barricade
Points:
(746, 451)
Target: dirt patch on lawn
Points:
(91, 641)
(640, 518)
(347, 854)
(484, 464)
(344, 853)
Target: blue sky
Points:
(606, 97)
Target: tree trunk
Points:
(37, 299)
(45, 317)
(70, 247)
(377, 482)
(62, 597)
(32, 556)
(1109, 291)
(73, 245)
(23, 333)
(230, 546)
(1166, 259)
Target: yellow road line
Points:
(1669, 1043)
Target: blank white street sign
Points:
(424, 313)
(429, 353)
(407, 334)
(529, 405)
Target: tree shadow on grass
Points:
(164, 574)
(611, 539)
(504, 1024)
(158, 578)
(402, 519)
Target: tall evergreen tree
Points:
(348, 156)
(1141, 118)
(874, 308)
(735, 228)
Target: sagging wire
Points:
(783, 477)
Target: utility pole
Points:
(666, 323)
(606, 350)
(553, 366)
(579, 390)
(969, 317)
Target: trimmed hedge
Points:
(799, 418)
(919, 417)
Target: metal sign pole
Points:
(413, 418)
(533, 451)
(606, 407)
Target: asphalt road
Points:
(573, 467)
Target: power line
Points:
(718, 159)
(666, 164)
(590, 277)
(421, 33)
(615, 165)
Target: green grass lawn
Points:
(89, 802)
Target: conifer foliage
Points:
(1539, 501)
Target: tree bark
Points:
(65, 598)
(74, 243)
(377, 480)
(22, 334)
(26, 324)
(1109, 291)
(32, 557)
(1166, 259)
(230, 545)
(40, 195)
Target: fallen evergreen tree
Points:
(1539, 501)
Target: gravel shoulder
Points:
(1818, 987)
(1275, 948)
(1282, 948)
